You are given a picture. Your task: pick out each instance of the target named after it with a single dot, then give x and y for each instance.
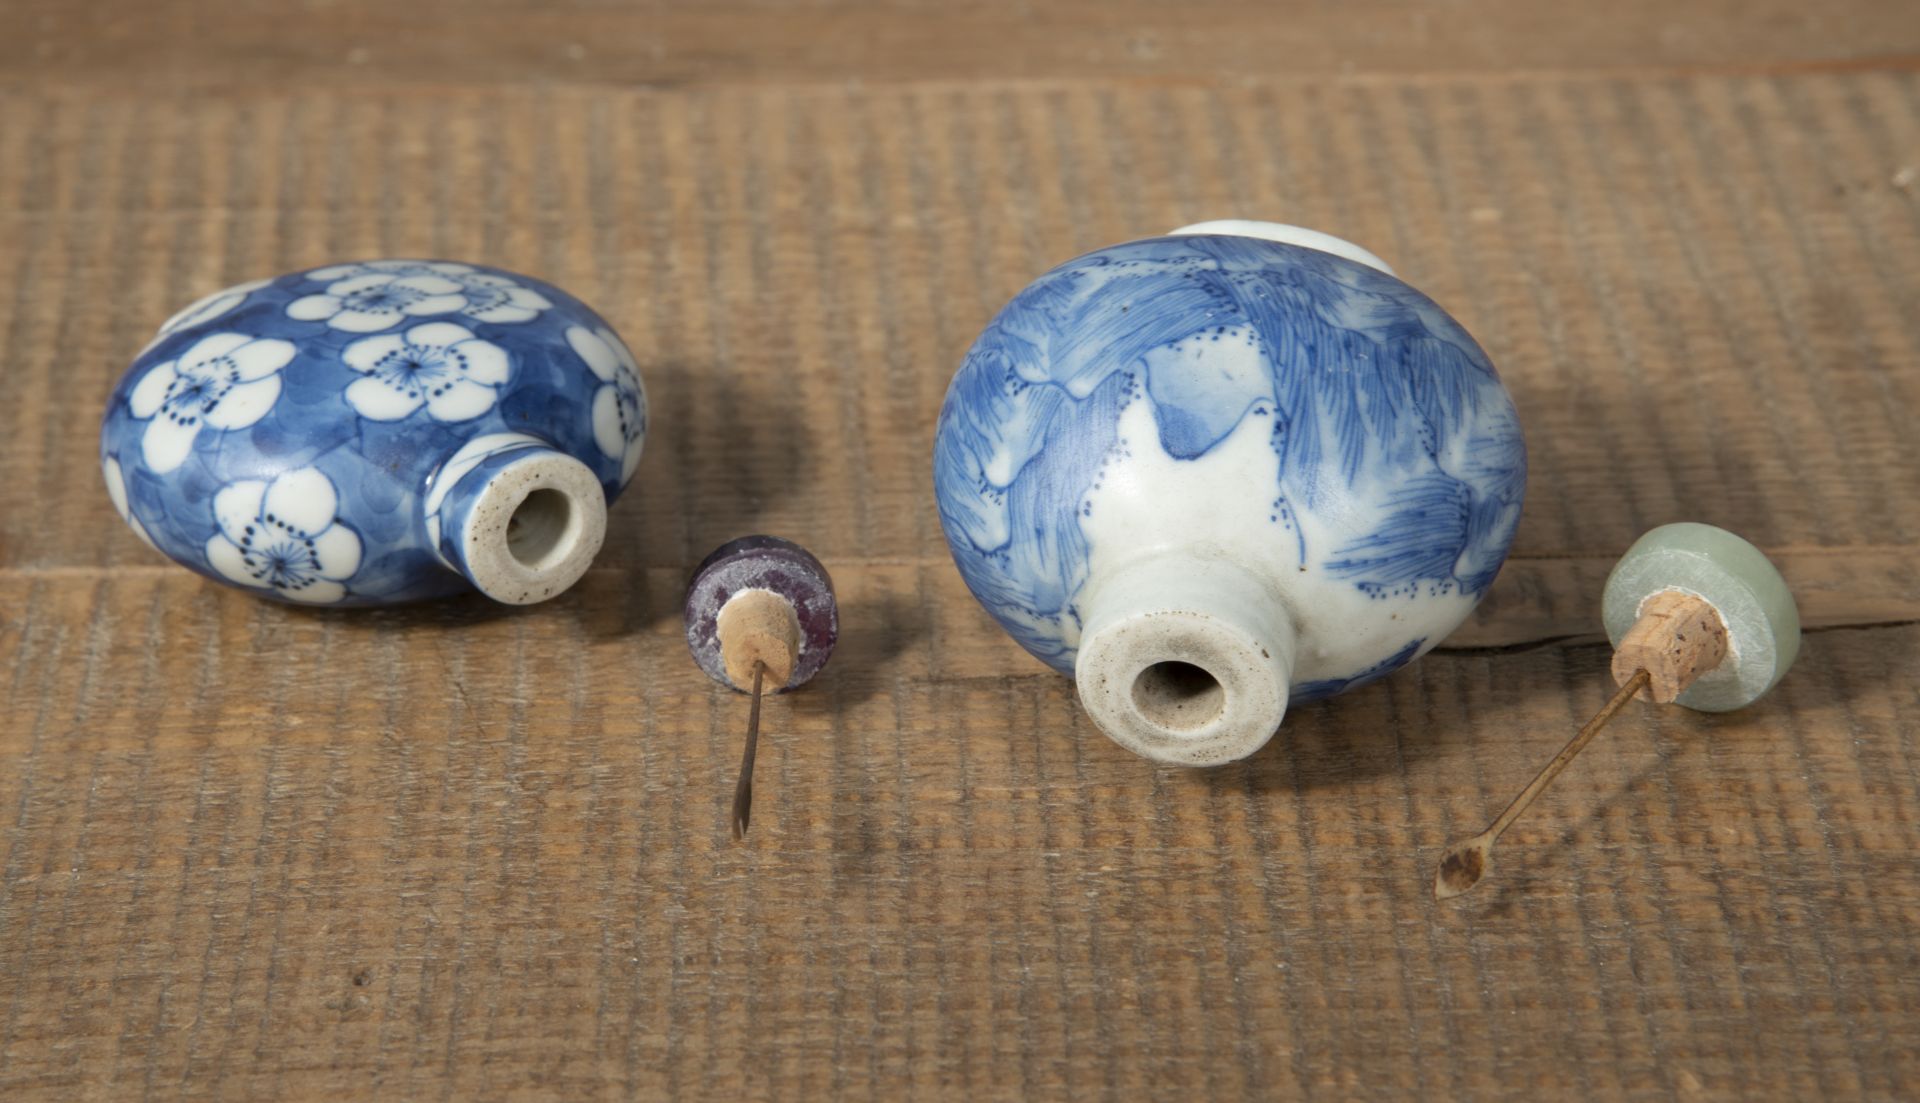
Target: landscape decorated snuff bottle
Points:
(1212, 473)
(378, 432)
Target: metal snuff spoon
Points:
(760, 615)
(1698, 617)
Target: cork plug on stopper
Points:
(1678, 638)
(1697, 617)
(758, 626)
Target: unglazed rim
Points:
(534, 528)
(1182, 688)
(1185, 660)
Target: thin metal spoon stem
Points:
(1465, 863)
(743, 789)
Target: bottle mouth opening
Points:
(543, 529)
(1182, 688)
(1184, 660)
(1178, 696)
(533, 528)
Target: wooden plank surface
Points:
(461, 851)
(677, 43)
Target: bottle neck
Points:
(519, 518)
(1185, 660)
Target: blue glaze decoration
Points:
(284, 435)
(1395, 469)
(1333, 687)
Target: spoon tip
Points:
(1460, 869)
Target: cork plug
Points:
(1677, 638)
(759, 637)
(760, 611)
(1698, 617)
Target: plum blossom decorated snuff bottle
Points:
(379, 432)
(1212, 473)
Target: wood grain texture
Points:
(680, 43)
(464, 851)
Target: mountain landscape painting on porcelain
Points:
(1305, 419)
(307, 437)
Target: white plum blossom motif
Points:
(285, 536)
(206, 309)
(441, 366)
(117, 491)
(225, 381)
(377, 301)
(620, 405)
(369, 297)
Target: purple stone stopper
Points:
(763, 563)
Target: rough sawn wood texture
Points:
(463, 852)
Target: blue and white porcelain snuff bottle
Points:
(1212, 473)
(379, 432)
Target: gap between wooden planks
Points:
(1537, 601)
